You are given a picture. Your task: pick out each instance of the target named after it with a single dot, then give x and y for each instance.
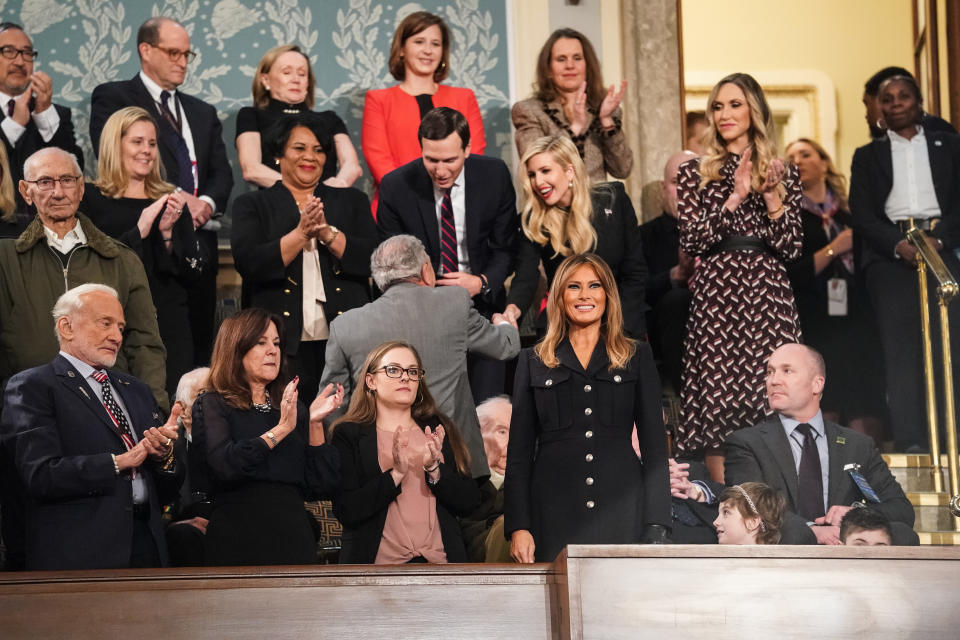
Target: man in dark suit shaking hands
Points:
(190, 138)
(463, 208)
(94, 462)
(822, 469)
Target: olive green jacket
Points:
(31, 280)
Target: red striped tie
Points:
(449, 262)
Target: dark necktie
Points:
(10, 105)
(809, 476)
(448, 236)
(173, 134)
(116, 414)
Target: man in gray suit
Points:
(440, 322)
(822, 469)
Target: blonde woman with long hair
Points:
(572, 474)
(132, 202)
(12, 221)
(405, 472)
(832, 303)
(563, 215)
(739, 211)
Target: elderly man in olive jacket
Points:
(58, 251)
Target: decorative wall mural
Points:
(83, 43)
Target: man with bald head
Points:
(822, 469)
(94, 459)
(59, 250)
(190, 141)
(667, 295)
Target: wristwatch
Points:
(484, 285)
(335, 231)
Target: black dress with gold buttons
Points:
(573, 476)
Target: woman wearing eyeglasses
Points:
(405, 472)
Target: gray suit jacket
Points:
(762, 454)
(443, 326)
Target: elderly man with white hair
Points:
(93, 457)
(59, 250)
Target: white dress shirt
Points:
(71, 239)
(47, 121)
(86, 372)
(458, 199)
(912, 195)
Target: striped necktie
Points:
(449, 262)
(116, 414)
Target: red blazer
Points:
(396, 111)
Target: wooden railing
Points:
(608, 592)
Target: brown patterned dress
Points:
(742, 307)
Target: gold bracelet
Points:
(830, 251)
(773, 214)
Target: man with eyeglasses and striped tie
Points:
(92, 454)
(30, 119)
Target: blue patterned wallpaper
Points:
(83, 43)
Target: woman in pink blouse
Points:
(405, 471)
(419, 60)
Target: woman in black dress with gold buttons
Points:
(573, 476)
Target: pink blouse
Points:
(411, 528)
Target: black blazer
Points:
(407, 205)
(871, 179)
(261, 218)
(661, 250)
(31, 141)
(215, 178)
(78, 511)
(366, 492)
(762, 454)
(618, 243)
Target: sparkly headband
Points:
(750, 503)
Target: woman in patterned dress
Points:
(740, 215)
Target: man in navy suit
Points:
(190, 138)
(94, 462)
(30, 121)
(463, 208)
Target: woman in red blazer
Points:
(419, 57)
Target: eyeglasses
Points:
(10, 52)
(176, 54)
(394, 371)
(47, 184)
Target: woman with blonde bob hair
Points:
(132, 202)
(750, 513)
(405, 472)
(572, 474)
(283, 86)
(562, 215)
(739, 213)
